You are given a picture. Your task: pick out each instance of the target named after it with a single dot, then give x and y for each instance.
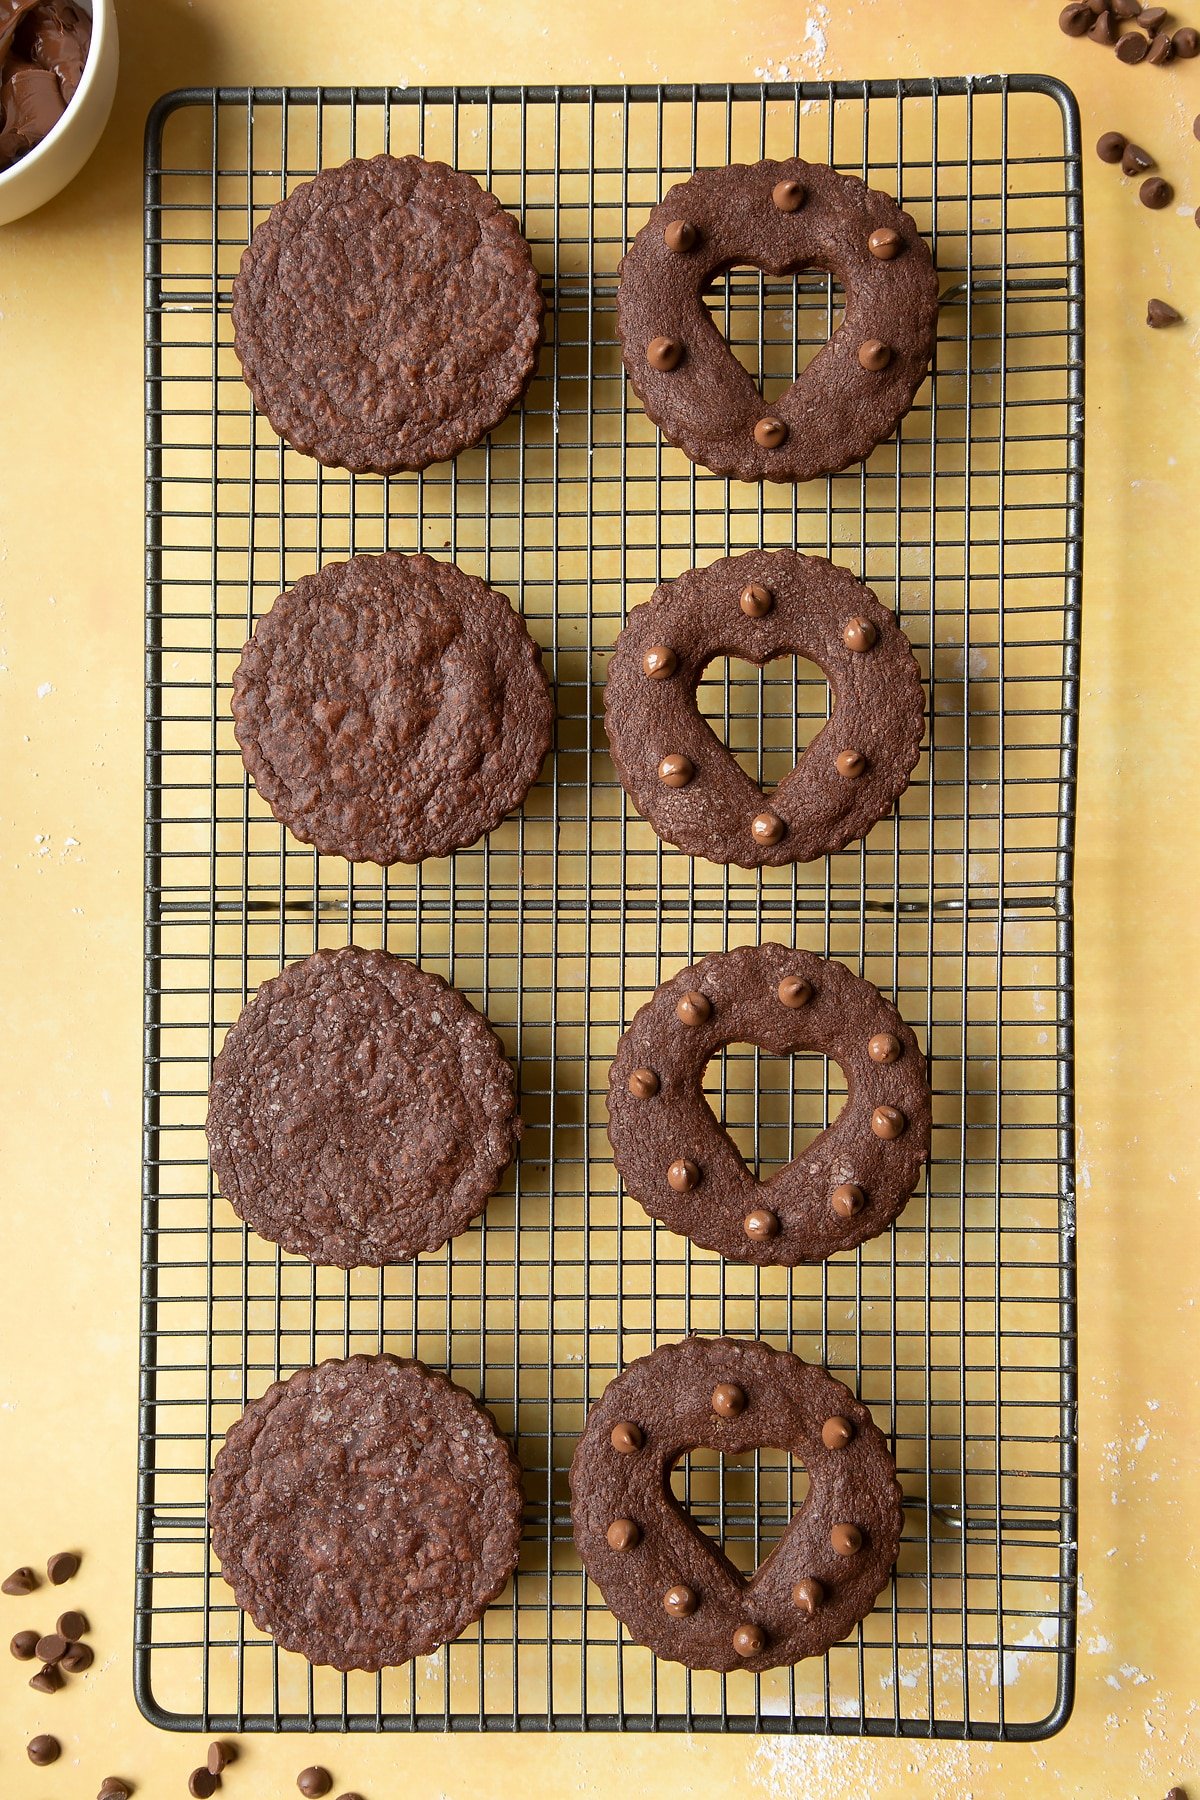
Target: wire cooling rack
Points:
(958, 1327)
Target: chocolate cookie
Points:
(392, 708)
(764, 604)
(672, 1587)
(678, 1160)
(365, 1511)
(780, 217)
(387, 315)
(361, 1110)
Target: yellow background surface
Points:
(71, 533)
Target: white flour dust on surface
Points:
(802, 1765)
(806, 61)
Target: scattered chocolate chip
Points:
(1152, 18)
(52, 1648)
(72, 1626)
(314, 1782)
(1156, 193)
(202, 1785)
(1103, 30)
(1132, 47)
(220, 1756)
(1186, 42)
(1135, 160)
(46, 1681)
(1196, 215)
(349, 1797)
(1196, 126)
(1160, 313)
(1099, 6)
(43, 1750)
(113, 1788)
(24, 1645)
(1161, 50)
(78, 1659)
(1075, 20)
(1176, 1793)
(1111, 147)
(1127, 9)
(60, 1568)
(21, 1581)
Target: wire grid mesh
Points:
(958, 1326)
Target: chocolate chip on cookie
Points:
(854, 770)
(392, 708)
(361, 1110)
(365, 1511)
(669, 1584)
(848, 1185)
(387, 314)
(780, 217)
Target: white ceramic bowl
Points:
(60, 156)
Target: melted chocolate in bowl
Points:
(43, 48)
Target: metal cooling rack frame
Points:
(959, 1326)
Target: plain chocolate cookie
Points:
(387, 315)
(365, 1511)
(673, 1587)
(779, 217)
(361, 1110)
(392, 708)
(679, 1161)
(759, 606)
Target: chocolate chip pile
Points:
(1148, 40)
(43, 47)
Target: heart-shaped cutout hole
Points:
(775, 324)
(767, 717)
(773, 1106)
(744, 1504)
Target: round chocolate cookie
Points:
(765, 604)
(672, 1587)
(387, 315)
(392, 708)
(361, 1110)
(365, 1511)
(779, 217)
(679, 1161)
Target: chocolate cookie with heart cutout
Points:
(680, 1162)
(673, 1587)
(780, 217)
(762, 605)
